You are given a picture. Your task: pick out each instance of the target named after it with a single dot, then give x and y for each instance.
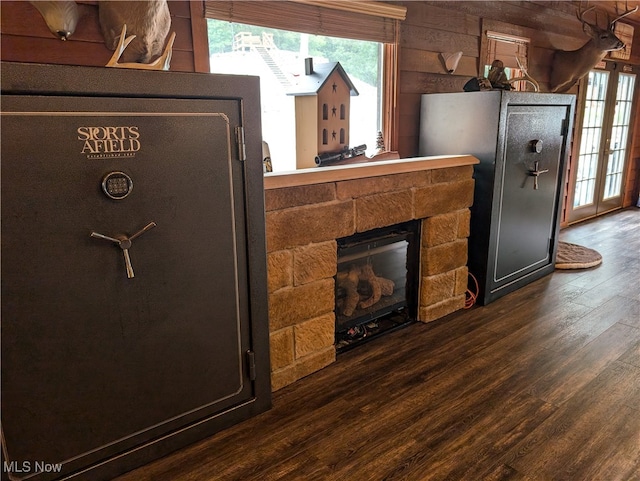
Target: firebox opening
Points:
(376, 283)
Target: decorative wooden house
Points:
(322, 111)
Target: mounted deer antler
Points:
(624, 14)
(525, 76)
(149, 21)
(161, 63)
(570, 66)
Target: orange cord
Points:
(470, 295)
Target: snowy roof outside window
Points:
(311, 83)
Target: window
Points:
(277, 57)
(625, 33)
(275, 38)
(602, 147)
(512, 51)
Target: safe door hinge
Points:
(565, 127)
(251, 365)
(242, 153)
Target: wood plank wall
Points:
(26, 38)
(432, 27)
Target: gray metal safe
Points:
(134, 304)
(522, 142)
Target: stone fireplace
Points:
(308, 211)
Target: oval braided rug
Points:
(574, 256)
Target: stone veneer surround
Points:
(306, 211)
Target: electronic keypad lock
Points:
(117, 185)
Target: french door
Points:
(597, 174)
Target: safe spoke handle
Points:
(105, 237)
(124, 243)
(150, 225)
(535, 173)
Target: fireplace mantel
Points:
(308, 210)
(317, 175)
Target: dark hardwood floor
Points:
(543, 384)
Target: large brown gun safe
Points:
(134, 305)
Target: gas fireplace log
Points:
(374, 286)
(379, 286)
(348, 280)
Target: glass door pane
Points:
(599, 166)
(619, 137)
(593, 120)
